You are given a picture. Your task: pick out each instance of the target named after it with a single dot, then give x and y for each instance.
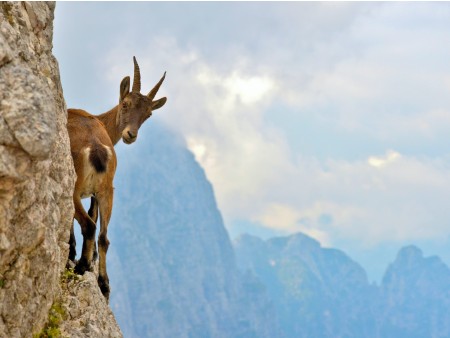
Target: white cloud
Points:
(393, 83)
(250, 90)
(279, 216)
(378, 71)
(256, 175)
(380, 162)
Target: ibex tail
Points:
(98, 157)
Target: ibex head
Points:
(135, 108)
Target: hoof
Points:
(82, 266)
(72, 253)
(104, 286)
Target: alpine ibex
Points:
(92, 140)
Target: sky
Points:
(328, 118)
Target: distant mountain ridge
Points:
(321, 292)
(317, 292)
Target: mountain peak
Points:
(295, 242)
(304, 240)
(409, 253)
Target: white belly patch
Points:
(92, 179)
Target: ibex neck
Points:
(109, 120)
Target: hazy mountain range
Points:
(321, 292)
(175, 273)
(172, 266)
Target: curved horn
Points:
(155, 89)
(136, 77)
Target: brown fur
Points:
(92, 140)
(88, 133)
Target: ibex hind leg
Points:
(105, 202)
(93, 213)
(88, 232)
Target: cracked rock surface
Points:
(87, 313)
(36, 172)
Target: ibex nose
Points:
(131, 134)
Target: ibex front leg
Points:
(88, 231)
(93, 213)
(105, 202)
(72, 245)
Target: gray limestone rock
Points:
(86, 311)
(36, 176)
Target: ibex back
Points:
(92, 140)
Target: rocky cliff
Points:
(36, 177)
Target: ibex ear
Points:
(124, 87)
(159, 103)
